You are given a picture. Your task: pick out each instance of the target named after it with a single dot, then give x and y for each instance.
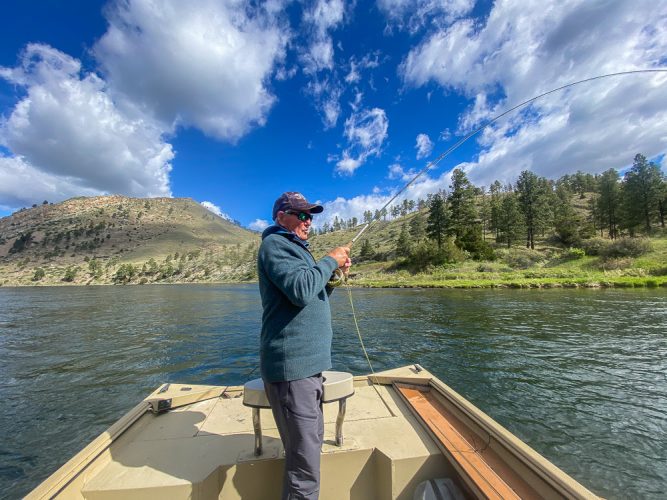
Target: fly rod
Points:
(339, 277)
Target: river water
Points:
(580, 375)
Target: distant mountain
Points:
(115, 239)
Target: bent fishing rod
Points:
(338, 277)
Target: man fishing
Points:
(295, 343)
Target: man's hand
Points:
(342, 256)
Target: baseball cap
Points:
(291, 200)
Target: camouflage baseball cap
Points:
(292, 200)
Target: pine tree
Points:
(641, 192)
(366, 252)
(534, 201)
(403, 242)
(496, 200)
(462, 210)
(567, 222)
(418, 227)
(510, 220)
(436, 224)
(609, 201)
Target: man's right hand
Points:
(341, 254)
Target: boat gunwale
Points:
(58, 481)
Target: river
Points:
(580, 375)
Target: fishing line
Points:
(339, 278)
(492, 121)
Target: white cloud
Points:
(366, 131)
(69, 136)
(326, 93)
(423, 145)
(526, 48)
(396, 171)
(346, 209)
(216, 210)
(259, 225)
(445, 135)
(22, 185)
(414, 15)
(317, 57)
(369, 61)
(206, 67)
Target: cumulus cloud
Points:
(216, 210)
(523, 49)
(346, 209)
(366, 131)
(423, 145)
(259, 225)
(22, 185)
(206, 67)
(68, 135)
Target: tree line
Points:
(466, 219)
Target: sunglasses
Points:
(302, 216)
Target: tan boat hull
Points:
(203, 448)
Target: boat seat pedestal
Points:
(338, 386)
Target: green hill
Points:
(111, 239)
(626, 262)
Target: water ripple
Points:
(579, 375)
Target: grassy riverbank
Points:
(546, 267)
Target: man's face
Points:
(291, 220)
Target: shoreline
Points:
(425, 282)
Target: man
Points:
(295, 344)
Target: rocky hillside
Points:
(114, 239)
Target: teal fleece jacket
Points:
(296, 323)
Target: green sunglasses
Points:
(302, 216)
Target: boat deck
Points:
(205, 450)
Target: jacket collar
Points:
(278, 229)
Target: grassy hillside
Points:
(118, 239)
(549, 265)
(114, 239)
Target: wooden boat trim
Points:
(476, 472)
(546, 470)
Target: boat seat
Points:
(338, 386)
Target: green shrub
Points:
(70, 274)
(574, 253)
(658, 271)
(627, 247)
(39, 274)
(595, 246)
(522, 258)
(125, 273)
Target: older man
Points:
(295, 344)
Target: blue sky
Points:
(231, 103)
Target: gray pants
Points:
(297, 409)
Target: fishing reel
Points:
(337, 278)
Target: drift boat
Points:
(399, 434)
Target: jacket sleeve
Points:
(295, 274)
